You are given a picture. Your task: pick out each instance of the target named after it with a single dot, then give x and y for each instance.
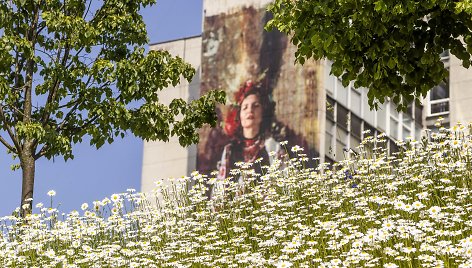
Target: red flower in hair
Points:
(231, 122)
(241, 94)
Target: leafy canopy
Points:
(67, 71)
(390, 47)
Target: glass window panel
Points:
(394, 128)
(341, 134)
(409, 110)
(342, 116)
(419, 114)
(330, 107)
(356, 126)
(393, 110)
(440, 91)
(418, 132)
(407, 119)
(440, 107)
(329, 126)
(406, 133)
(354, 143)
(392, 146)
(329, 145)
(369, 127)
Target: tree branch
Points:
(42, 152)
(19, 63)
(53, 90)
(72, 102)
(12, 135)
(73, 109)
(88, 9)
(60, 127)
(28, 107)
(30, 69)
(9, 147)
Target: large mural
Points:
(270, 98)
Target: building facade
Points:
(452, 99)
(310, 107)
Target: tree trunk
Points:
(27, 163)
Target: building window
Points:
(369, 131)
(440, 91)
(439, 99)
(345, 129)
(356, 126)
(392, 147)
(419, 115)
(393, 127)
(406, 133)
(439, 108)
(342, 117)
(330, 129)
(330, 106)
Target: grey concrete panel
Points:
(169, 159)
(460, 92)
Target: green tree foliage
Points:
(67, 72)
(390, 47)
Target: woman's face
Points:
(251, 112)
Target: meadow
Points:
(374, 209)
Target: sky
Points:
(95, 174)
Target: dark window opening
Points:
(330, 106)
(342, 115)
(356, 126)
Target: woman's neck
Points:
(250, 133)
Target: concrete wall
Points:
(460, 92)
(168, 159)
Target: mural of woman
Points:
(248, 125)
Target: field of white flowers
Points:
(408, 209)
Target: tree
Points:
(390, 47)
(67, 72)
